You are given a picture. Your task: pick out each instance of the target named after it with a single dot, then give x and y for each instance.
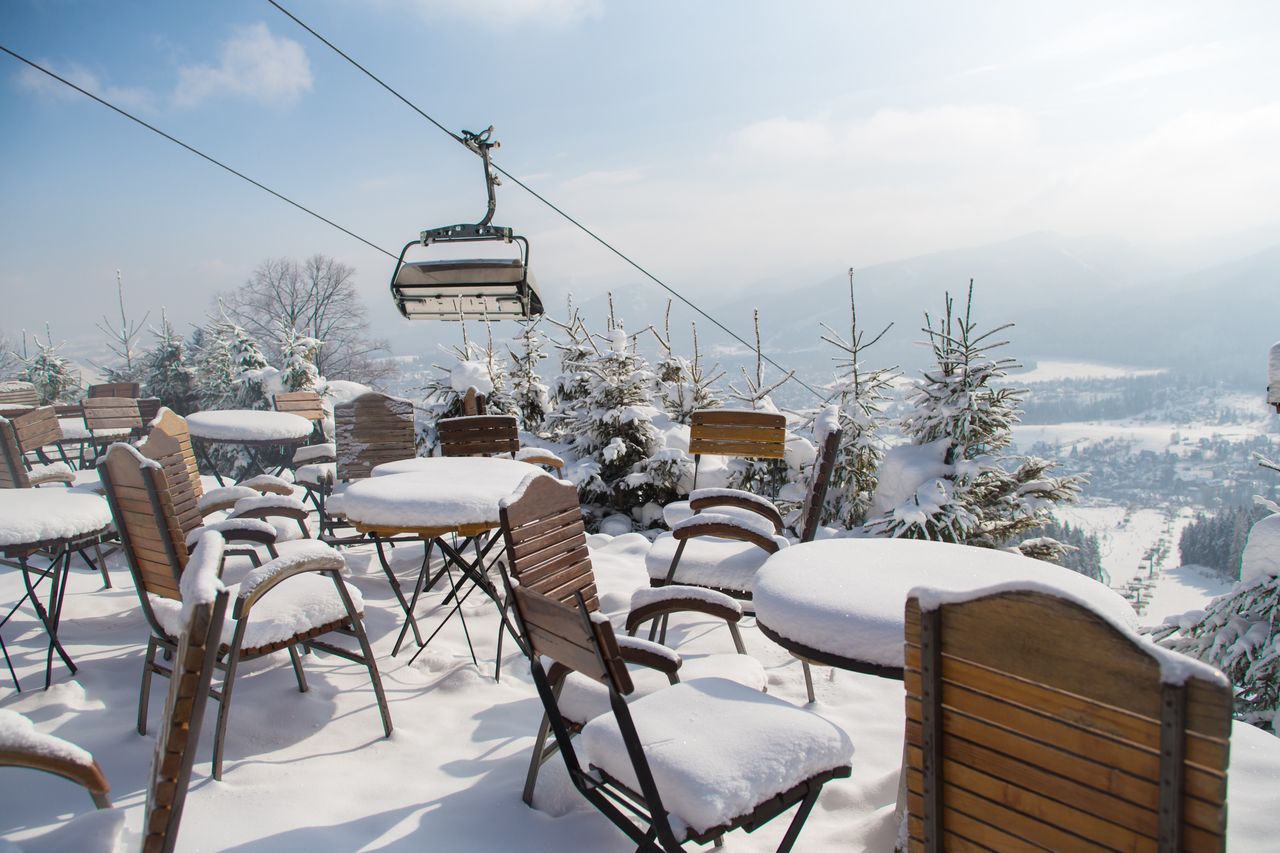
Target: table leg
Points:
(395, 587)
(202, 450)
(57, 573)
(417, 593)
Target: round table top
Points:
(434, 492)
(846, 598)
(30, 516)
(248, 425)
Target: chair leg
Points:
(808, 681)
(224, 707)
(144, 692)
(797, 822)
(357, 627)
(297, 668)
(541, 752)
(102, 566)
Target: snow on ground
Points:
(1056, 371)
(312, 771)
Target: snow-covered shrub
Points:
(298, 354)
(56, 379)
(532, 396)
(572, 385)
(166, 373)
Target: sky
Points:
(721, 144)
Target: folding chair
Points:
(647, 761)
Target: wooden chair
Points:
(301, 611)
(1032, 722)
(304, 404)
(260, 497)
(110, 418)
(30, 432)
(115, 389)
(732, 532)
(628, 773)
(489, 435)
(473, 403)
(18, 394)
(21, 745)
(561, 548)
(736, 432)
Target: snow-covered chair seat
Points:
(1050, 687)
(718, 751)
(54, 472)
(728, 533)
(316, 475)
(313, 453)
(298, 598)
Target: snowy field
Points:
(311, 771)
(1141, 435)
(1056, 371)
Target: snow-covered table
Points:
(433, 498)
(251, 428)
(841, 602)
(57, 522)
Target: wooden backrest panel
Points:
(37, 428)
(18, 393)
(148, 408)
(149, 528)
(1032, 720)
(473, 402)
(184, 487)
(13, 471)
(193, 667)
(823, 465)
(734, 432)
(555, 591)
(111, 413)
(115, 389)
(478, 435)
(372, 429)
(304, 404)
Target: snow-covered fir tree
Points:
(572, 385)
(532, 396)
(215, 365)
(962, 411)
(298, 354)
(682, 384)
(124, 342)
(166, 372)
(255, 380)
(862, 394)
(767, 477)
(56, 379)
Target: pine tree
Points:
(55, 377)
(531, 395)
(129, 366)
(987, 498)
(254, 379)
(298, 354)
(165, 370)
(572, 386)
(215, 365)
(862, 394)
(761, 476)
(681, 384)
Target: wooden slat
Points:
(733, 416)
(37, 428)
(114, 389)
(743, 435)
(577, 559)
(736, 449)
(305, 404)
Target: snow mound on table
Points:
(19, 734)
(248, 425)
(718, 749)
(1261, 555)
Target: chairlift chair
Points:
(470, 288)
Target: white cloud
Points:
(500, 14)
(39, 83)
(253, 64)
(601, 179)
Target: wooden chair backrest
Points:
(37, 428)
(193, 667)
(372, 429)
(115, 389)
(554, 586)
(169, 443)
(473, 403)
(13, 470)
(148, 408)
(735, 432)
(823, 465)
(478, 435)
(1032, 721)
(304, 404)
(18, 393)
(104, 413)
(150, 532)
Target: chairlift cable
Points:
(544, 199)
(197, 151)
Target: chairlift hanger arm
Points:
(479, 143)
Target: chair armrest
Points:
(701, 499)
(741, 528)
(21, 745)
(308, 556)
(658, 601)
(539, 456)
(652, 655)
(237, 530)
(265, 506)
(223, 497)
(268, 483)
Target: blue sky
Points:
(721, 143)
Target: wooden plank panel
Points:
(541, 573)
(745, 434)
(731, 416)
(735, 449)
(553, 520)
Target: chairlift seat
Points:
(466, 289)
